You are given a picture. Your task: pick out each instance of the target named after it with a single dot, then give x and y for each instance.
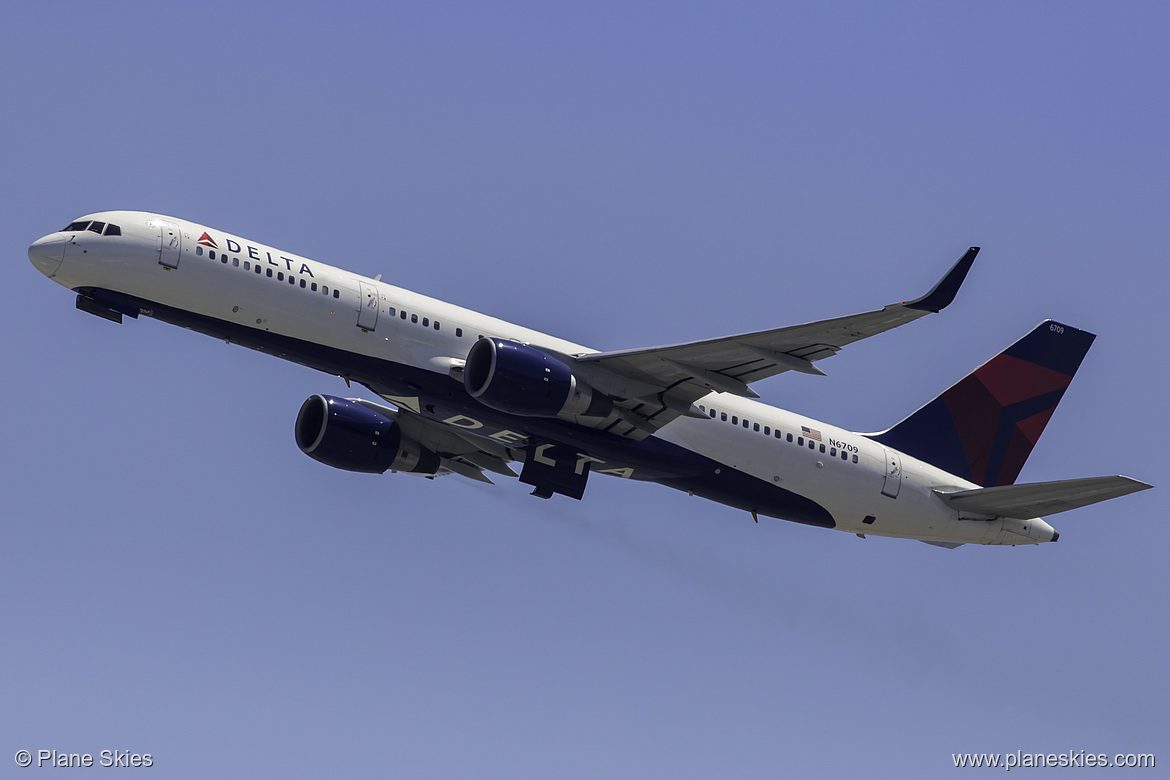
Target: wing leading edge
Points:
(658, 384)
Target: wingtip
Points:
(943, 293)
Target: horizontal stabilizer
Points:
(1042, 498)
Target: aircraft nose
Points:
(47, 253)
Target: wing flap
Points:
(1037, 499)
(457, 466)
(461, 451)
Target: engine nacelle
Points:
(346, 435)
(515, 378)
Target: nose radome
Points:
(47, 253)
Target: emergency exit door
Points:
(893, 481)
(170, 242)
(368, 314)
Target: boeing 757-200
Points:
(463, 393)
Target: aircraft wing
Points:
(1042, 498)
(659, 384)
(460, 451)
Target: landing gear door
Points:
(554, 468)
(893, 481)
(170, 242)
(368, 313)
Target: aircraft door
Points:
(170, 242)
(893, 480)
(368, 313)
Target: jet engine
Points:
(519, 379)
(346, 435)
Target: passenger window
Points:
(789, 436)
(235, 262)
(459, 332)
(325, 289)
(832, 452)
(199, 251)
(799, 440)
(756, 427)
(302, 284)
(745, 423)
(812, 445)
(256, 268)
(854, 458)
(112, 230)
(436, 325)
(712, 414)
(336, 294)
(426, 322)
(391, 311)
(822, 448)
(844, 455)
(280, 276)
(734, 420)
(313, 287)
(292, 279)
(403, 315)
(414, 318)
(267, 272)
(247, 266)
(96, 227)
(767, 431)
(211, 253)
(723, 416)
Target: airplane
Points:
(464, 393)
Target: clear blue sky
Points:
(178, 579)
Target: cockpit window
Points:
(101, 228)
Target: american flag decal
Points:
(811, 433)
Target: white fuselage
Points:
(866, 487)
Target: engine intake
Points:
(346, 435)
(519, 379)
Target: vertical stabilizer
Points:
(984, 427)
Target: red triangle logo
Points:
(207, 240)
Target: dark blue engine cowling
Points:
(346, 435)
(516, 378)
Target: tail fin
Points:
(984, 427)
